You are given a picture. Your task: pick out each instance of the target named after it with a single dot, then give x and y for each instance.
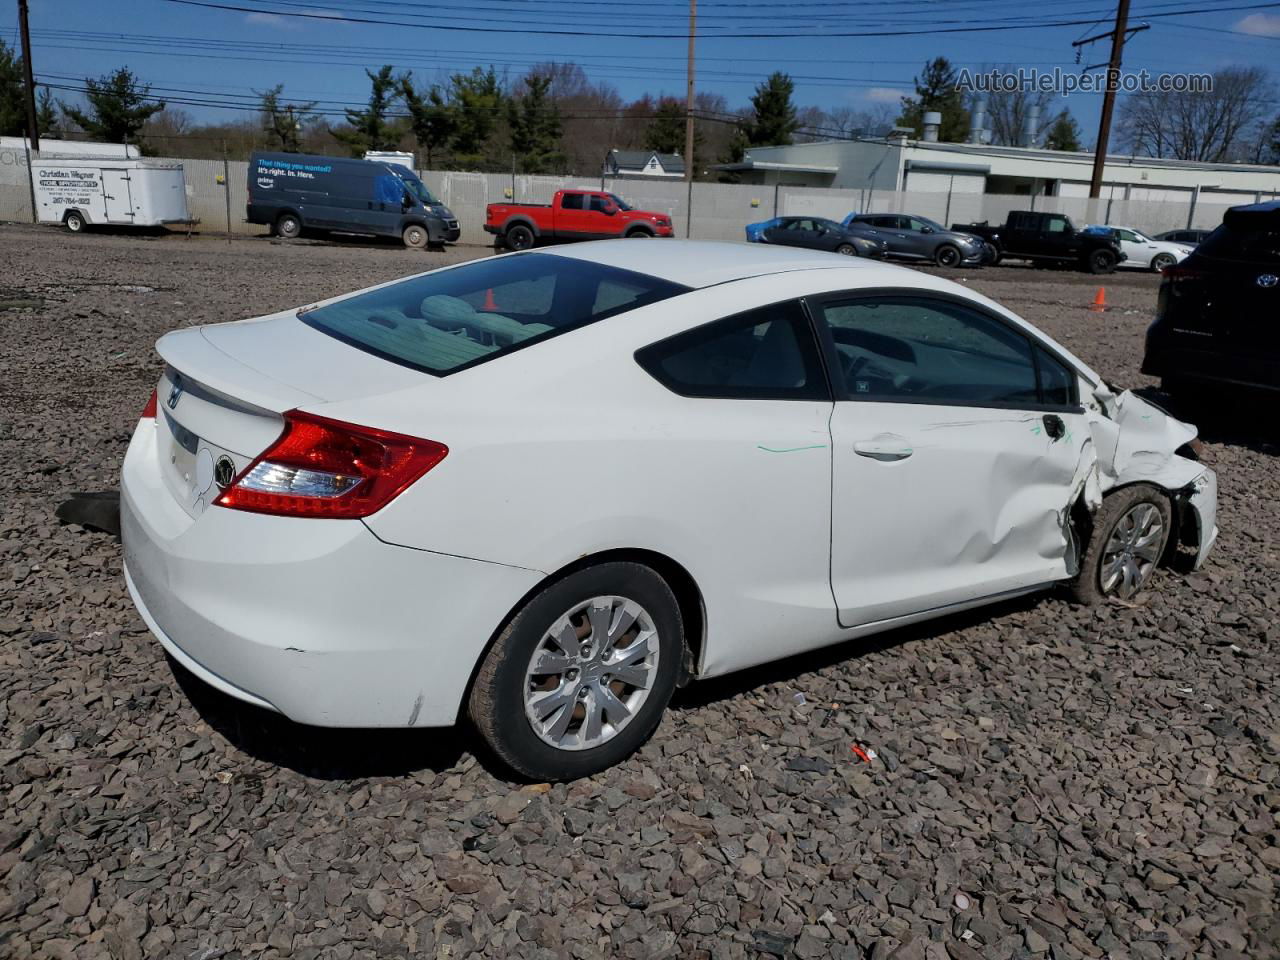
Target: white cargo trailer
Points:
(85, 191)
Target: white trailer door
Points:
(117, 198)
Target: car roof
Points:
(705, 263)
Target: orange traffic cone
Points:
(489, 303)
(1099, 301)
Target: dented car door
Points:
(958, 445)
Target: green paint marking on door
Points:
(812, 446)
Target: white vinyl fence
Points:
(719, 211)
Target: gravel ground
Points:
(1047, 781)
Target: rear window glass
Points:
(1233, 243)
(451, 319)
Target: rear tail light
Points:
(149, 411)
(328, 469)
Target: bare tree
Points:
(1213, 126)
(1007, 113)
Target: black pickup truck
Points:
(1049, 238)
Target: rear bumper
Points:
(316, 619)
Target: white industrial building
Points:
(920, 167)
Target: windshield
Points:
(622, 204)
(447, 320)
(415, 186)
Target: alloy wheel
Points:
(1132, 550)
(591, 673)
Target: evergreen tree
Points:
(370, 128)
(773, 119)
(283, 124)
(1064, 134)
(46, 113)
(432, 119)
(535, 127)
(118, 107)
(665, 131)
(936, 90)
(13, 107)
(477, 102)
(1270, 152)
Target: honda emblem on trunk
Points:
(176, 393)
(224, 471)
(1268, 280)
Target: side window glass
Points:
(388, 189)
(1057, 383)
(914, 349)
(763, 354)
(571, 201)
(1056, 225)
(597, 204)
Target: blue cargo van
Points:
(292, 192)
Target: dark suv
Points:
(1218, 315)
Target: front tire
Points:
(75, 221)
(1162, 261)
(415, 236)
(519, 237)
(640, 234)
(846, 250)
(1130, 532)
(579, 678)
(1101, 261)
(947, 256)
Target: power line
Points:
(773, 35)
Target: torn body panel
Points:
(1138, 442)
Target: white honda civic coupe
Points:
(542, 490)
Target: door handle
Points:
(887, 450)
(1054, 426)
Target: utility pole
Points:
(32, 132)
(688, 123)
(1109, 97)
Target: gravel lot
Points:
(1048, 781)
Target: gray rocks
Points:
(1083, 781)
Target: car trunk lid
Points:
(225, 388)
(1228, 291)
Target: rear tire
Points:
(1102, 261)
(75, 221)
(415, 236)
(947, 256)
(288, 226)
(846, 250)
(596, 716)
(519, 237)
(1130, 532)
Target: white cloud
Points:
(272, 20)
(882, 95)
(1260, 25)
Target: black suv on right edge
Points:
(1218, 314)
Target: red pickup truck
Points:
(571, 215)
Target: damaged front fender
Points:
(1137, 442)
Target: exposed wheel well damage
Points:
(688, 597)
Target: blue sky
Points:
(179, 47)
